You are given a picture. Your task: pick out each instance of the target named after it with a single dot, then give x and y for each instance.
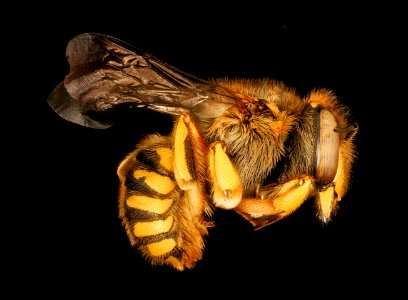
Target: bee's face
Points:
(252, 146)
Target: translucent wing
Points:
(107, 73)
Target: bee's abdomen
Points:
(148, 201)
(151, 204)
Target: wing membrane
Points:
(106, 73)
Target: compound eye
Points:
(327, 149)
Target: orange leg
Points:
(273, 203)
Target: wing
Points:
(107, 73)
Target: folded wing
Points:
(107, 73)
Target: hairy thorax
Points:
(255, 132)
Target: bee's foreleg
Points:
(276, 202)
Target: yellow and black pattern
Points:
(254, 146)
(153, 207)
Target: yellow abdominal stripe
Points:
(166, 158)
(149, 204)
(142, 229)
(162, 247)
(161, 184)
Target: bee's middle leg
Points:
(269, 205)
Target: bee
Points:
(253, 146)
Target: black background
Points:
(64, 208)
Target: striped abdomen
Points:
(155, 211)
